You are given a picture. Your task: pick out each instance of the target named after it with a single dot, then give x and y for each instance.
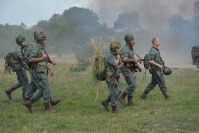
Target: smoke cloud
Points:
(169, 20)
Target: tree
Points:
(127, 21)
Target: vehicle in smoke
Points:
(195, 55)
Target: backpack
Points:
(100, 68)
(9, 62)
(146, 62)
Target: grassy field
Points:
(80, 110)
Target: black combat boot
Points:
(105, 103)
(48, 109)
(114, 109)
(25, 99)
(122, 98)
(144, 95)
(54, 102)
(130, 101)
(166, 96)
(28, 104)
(9, 91)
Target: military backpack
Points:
(10, 61)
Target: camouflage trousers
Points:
(157, 79)
(113, 92)
(42, 85)
(22, 80)
(130, 80)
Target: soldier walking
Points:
(112, 61)
(157, 65)
(129, 68)
(19, 68)
(39, 60)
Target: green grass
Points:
(80, 109)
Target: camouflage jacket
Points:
(111, 65)
(19, 59)
(154, 54)
(35, 51)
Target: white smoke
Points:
(153, 13)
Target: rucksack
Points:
(9, 62)
(100, 68)
(146, 62)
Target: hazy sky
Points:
(151, 12)
(31, 11)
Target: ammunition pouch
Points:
(42, 67)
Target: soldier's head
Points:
(129, 38)
(155, 41)
(20, 40)
(40, 36)
(114, 46)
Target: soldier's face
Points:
(132, 42)
(118, 50)
(157, 42)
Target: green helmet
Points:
(20, 39)
(167, 70)
(114, 44)
(128, 37)
(39, 35)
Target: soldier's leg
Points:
(14, 87)
(44, 90)
(149, 87)
(162, 86)
(131, 81)
(107, 100)
(114, 93)
(24, 82)
(31, 89)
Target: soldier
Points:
(156, 64)
(19, 68)
(112, 63)
(129, 68)
(39, 60)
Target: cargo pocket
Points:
(42, 67)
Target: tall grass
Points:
(80, 110)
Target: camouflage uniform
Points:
(112, 77)
(39, 76)
(157, 74)
(20, 72)
(128, 74)
(113, 84)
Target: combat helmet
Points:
(114, 44)
(167, 70)
(20, 39)
(128, 37)
(39, 35)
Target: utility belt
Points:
(36, 68)
(155, 71)
(132, 66)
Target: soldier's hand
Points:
(136, 60)
(139, 68)
(118, 56)
(44, 56)
(160, 66)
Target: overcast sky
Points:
(152, 13)
(31, 11)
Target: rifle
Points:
(113, 77)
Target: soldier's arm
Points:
(155, 64)
(33, 56)
(125, 58)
